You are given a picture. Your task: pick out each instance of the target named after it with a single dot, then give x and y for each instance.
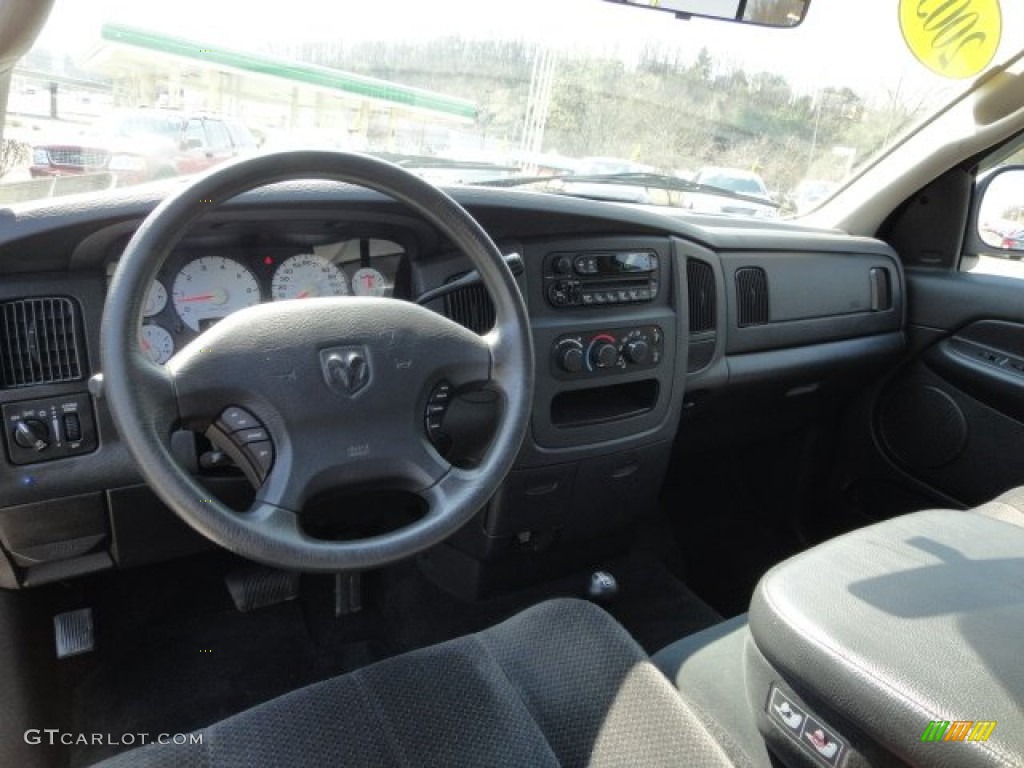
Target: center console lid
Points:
(902, 642)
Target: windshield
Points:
(132, 126)
(465, 92)
(745, 185)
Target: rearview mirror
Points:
(767, 13)
(1001, 211)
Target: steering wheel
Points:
(316, 394)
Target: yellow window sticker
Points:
(954, 38)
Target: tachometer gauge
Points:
(210, 288)
(156, 343)
(156, 299)
(369, 282)
(307, 275)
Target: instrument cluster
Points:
(198, 288)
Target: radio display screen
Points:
(633, 262)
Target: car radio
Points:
(597, 278)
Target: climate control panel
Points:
(589, 354)
(42, 430)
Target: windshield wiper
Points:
(649, 180)
(428, 162)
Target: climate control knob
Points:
(570, 359)
(604, 355)
(32, 435)
(638, 351)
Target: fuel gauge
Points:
(369, 282)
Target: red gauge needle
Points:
(303, 295)
(203, 297)
(146, 345)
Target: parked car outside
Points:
(142, 145)
(809, 193)
(737, 181)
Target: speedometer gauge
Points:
(305, 276)
(212, 287)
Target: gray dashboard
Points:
(724, 318)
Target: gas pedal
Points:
(74, 632)
(259, 587)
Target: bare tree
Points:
(12, 154)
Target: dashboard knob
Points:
(562, 265)
(605, 355)
(570, 359)
(638, 351)
(32, 435)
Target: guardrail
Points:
(55, 186)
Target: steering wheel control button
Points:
(43, 430)
(262, 456)
(246, 442)
(587, 354)
(235, 419)
(256, 435)
(433, 421)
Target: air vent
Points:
(751, 296)
(38, 342)
(701, 286)
(470, 307)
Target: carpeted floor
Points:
(174, 655)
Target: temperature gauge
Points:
(156, 343)
(369, 282)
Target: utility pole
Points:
(538, 104)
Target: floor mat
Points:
(176, 670)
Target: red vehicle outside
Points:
(142, 145)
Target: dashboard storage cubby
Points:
(597, 405)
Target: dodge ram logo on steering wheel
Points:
(346, 369)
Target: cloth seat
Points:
(560, 684)
(1009, 507)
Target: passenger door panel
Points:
(952, 418)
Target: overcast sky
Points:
(842, 42)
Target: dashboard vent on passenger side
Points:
(39, 342)
(470, 307)
(751, 296)
(700, 281)
(703, 306)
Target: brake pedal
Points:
(74, 632)
(258, 587)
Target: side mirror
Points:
(998, 215)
